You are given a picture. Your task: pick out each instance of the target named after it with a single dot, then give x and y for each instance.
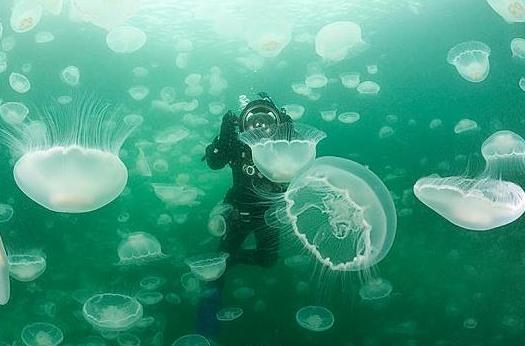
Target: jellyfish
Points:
(190, 283)
(112, 312)
(316, 80)
(152, 283)
(517, 46)
(471, 60)
(268, 37)
(125, 39)
(25, 15)
(349, 117)
(5, 290)
(329, 115)
(315, 318)
(6, 212)
(67, 156)
(336, 40)
(149, 297)
(13, 113)
(375, 288)
(301, 89)
(70, 75)
(26, 267)
(19, 83)
(521, 83)
(281, 152)
(372, 69)
(171, 135)
(40, 334)
(216, 108)
(175, 195)
(42, 37)
(229, 314)
(139, 248)
(295, 111)
(217, 225)
(191, 340)
(128, 339)
(139, 92)
(512, 11)
(104, 14)
(504, 154)
(340, 212)
(385, 132)
(474, 204)
(466, 125)
(3, 62)
(368, 88)
(350, 80)
(208, 267)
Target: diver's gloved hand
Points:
(228, 129)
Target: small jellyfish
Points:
(216, 108)
(386, 132)
(350, 80)
(42, 37)
(5, 290)
(349, 117)
(41, 334)
(372, 69)
(435, 123)
(208, 267)
(112, 312)
(26, 267)
(168, 94)
(19, 83)
(470, 323)
(149, 297)
(517, 46)
(191, 340)
(13, 113)
(6, 212)
(139, 92)
(471, 60)
(171, 135)
(301, 89)
(504, 154)
(315, 318)
(336, 40)
(295, 111)
(125, 39)
(70, 75)
(316, 80)
(229, 314)
(174, 195)
(217, 225)
(474, 204)
(173, 298)
(139, 248)
(280, 153)
(329, 115)
(368, 88)
(268, 37)
(190, 283)
(128, 339)
(64, 99)
(152, 283)
(512, 11)
(193, 79)
(521, 83)
(25, 15)
(466, 126)
(375, 288)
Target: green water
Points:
(442, 275)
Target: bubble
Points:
(70, 75)
(19, 83)
(112, 312)
(26, 267)
(6, 212)
(25, 15)
(125, 39)
(13, 113)
(350, 80)
(104, 14)
(336, 40)
(191, 340)
(149, 297)
(42, 37)
(349, 117)
(41, 334)
(329, 115)
(474, 204)
(208, 267)
(268, 37)
(368, 88)
(284, 150)
(316, 80)
(139, 92)
(315, 318)
(512, 11)
(517, 46)
(229, 314)
(139, 248)
(471, 60)
(4, 275)
(465, 125)
(375, 288)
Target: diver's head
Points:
(261, 113)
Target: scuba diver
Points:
(248, 206)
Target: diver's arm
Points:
(219, 152)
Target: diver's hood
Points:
(259, 114)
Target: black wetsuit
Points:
(245, 197)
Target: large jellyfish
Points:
(67, 157)
(336, 40)
(475, 204)
(112, 312)
(282, 151)
(512, 11)
(471, 60)
(341, 212)
(4, 275)
(504, 154)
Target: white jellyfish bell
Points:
(512, 11)
(335, 41)
(67, 156)
(280, 152)
(268, 39)
(471, 60)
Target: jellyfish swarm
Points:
(208, 267)
(336, 40)
(281, 151)
(112, 312)
(504, 154)
(512, 11)
(471, 60)
(67, 156)
(4, 275)
(341, 212)
(475, 204)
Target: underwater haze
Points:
(111, 219)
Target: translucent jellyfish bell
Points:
(70, 75)
(465, 125)
(191, 340)
(112, 312)
(26, 267)
(512, 11)
(217, 225)
(208, 267)
(13, 113)
(106, 14)
(517, 46)
(341, 212)
(67, 156)
(504, 154)
(336, 40)
(229, 314)
(19, 83)
(39, 334)
(269, 37)
(315, 318)
(5, 289)
(139, 248)
(281, 152)
(471, 60)
(25, 15)
(295, 111)
(475, 204)
(125, 39)
(375, 288)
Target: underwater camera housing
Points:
(261, 113)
